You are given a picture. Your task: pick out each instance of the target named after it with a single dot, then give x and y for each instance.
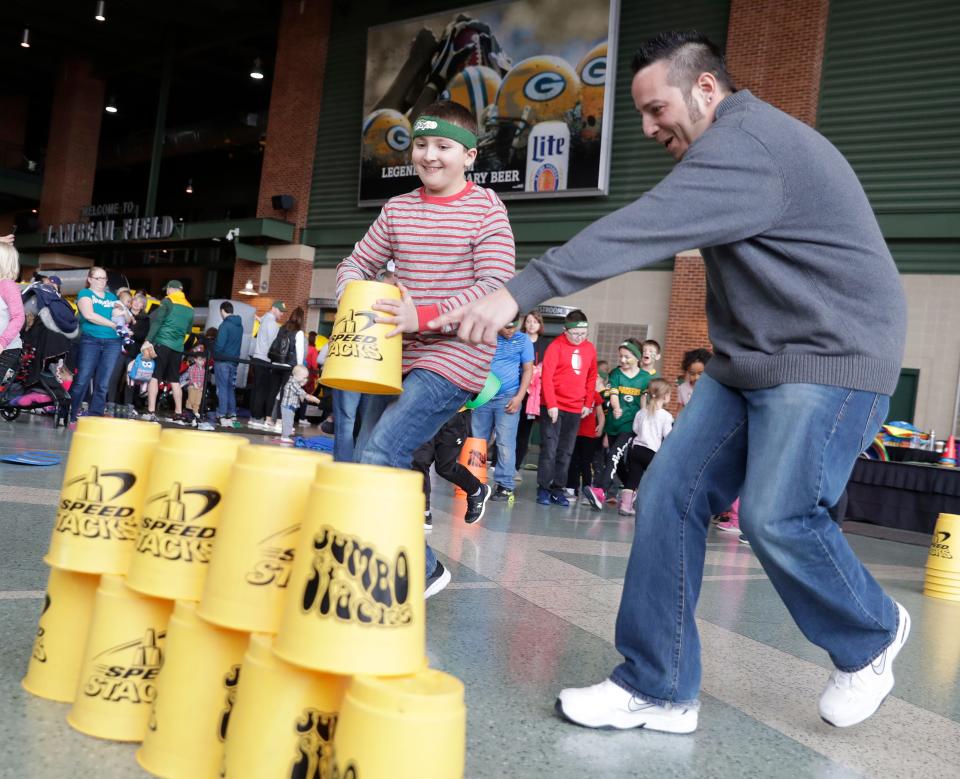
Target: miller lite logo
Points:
(548, 157)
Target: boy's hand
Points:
(480, 320)
(554, 414)
(513, 405)
(402, 313)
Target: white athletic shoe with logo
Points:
(850, 698)
(608, 705)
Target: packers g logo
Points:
(594, 73)
(398, 138)
(544, 86)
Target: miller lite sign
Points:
(548, 157)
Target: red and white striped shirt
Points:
(448, 251)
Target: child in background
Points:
(651, 425)
(568, 385)
(195, 374)
(121, 316)
(649, 357)
(292, 395)
(693, 365)
(627, 384)
(580, 473)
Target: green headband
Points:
(431, 125)
(572, 325)
(631, 347)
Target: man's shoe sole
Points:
(659, 727)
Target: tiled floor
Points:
(530, 610)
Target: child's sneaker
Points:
(570, 492)
(148, 417)
(428, 520)
(852, 697)
(593, 496)
(501, 493)
(625, 509)
(557, 498)
(282, 441)
(729, 526)
(477, 504)
(226, 422)
(543, 496)
(436, 581)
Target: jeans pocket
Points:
(878, 413)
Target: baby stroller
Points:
(51, 328)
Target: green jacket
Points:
(171, 323)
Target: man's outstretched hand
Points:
(479, 321)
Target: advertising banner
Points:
(533, 73)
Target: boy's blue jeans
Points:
(399, 424)
(787, 451)
(344, 419)
(225, 376)
(493, 415)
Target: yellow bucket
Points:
(393, 728)
(195, 696)
(284, 718)
(104, 485)
(945, 545)
(942, 593)
(361, 358)
(123, 655)
(355, 600)
(58, 648)
(181, 512)
(253, 553)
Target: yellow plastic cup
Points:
(284, 717)
(260, 524)
(103, 488)
(945, 545)
(361, 358)
(58, 648)
(933, 576)
(181, 511)
(941, 593)
(124, 651)
(195, 696)
(392, 728)
(355, 600)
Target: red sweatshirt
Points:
(569, 375)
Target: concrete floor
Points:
(530, 610)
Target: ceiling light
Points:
(25, 40)
(189, 189)
(248, 288)
(111, 107)
(101, 13)
(256, 72)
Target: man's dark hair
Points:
(689, 53)
(453, 113)
(226, 307)
(575, 316)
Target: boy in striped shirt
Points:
(451, 243)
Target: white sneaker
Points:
(256, 424)
(226, 422)
(851, 698)
(608, 705)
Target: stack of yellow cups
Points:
(355, 607)
(94, 530)
(943, 563)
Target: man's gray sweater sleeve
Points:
(727, 188)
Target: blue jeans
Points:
(401, 423)
(787, 451)
(344, 420)
(225, 375)
(96, 358)
(493, 414)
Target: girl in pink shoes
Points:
(651, 425)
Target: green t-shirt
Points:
(102, 306)
(628, 394)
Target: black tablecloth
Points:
(902, 495)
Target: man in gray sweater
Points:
(807, 319)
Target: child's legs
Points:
(635, 463)
(549, 438)
(428, 400)
(580, 471)
(448, 443)
(617, 450)
(369, 411)
(569, 423)
(286, 415)
(193, 399)
(422, 460)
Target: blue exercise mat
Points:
(319, 443)
(31, 458)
